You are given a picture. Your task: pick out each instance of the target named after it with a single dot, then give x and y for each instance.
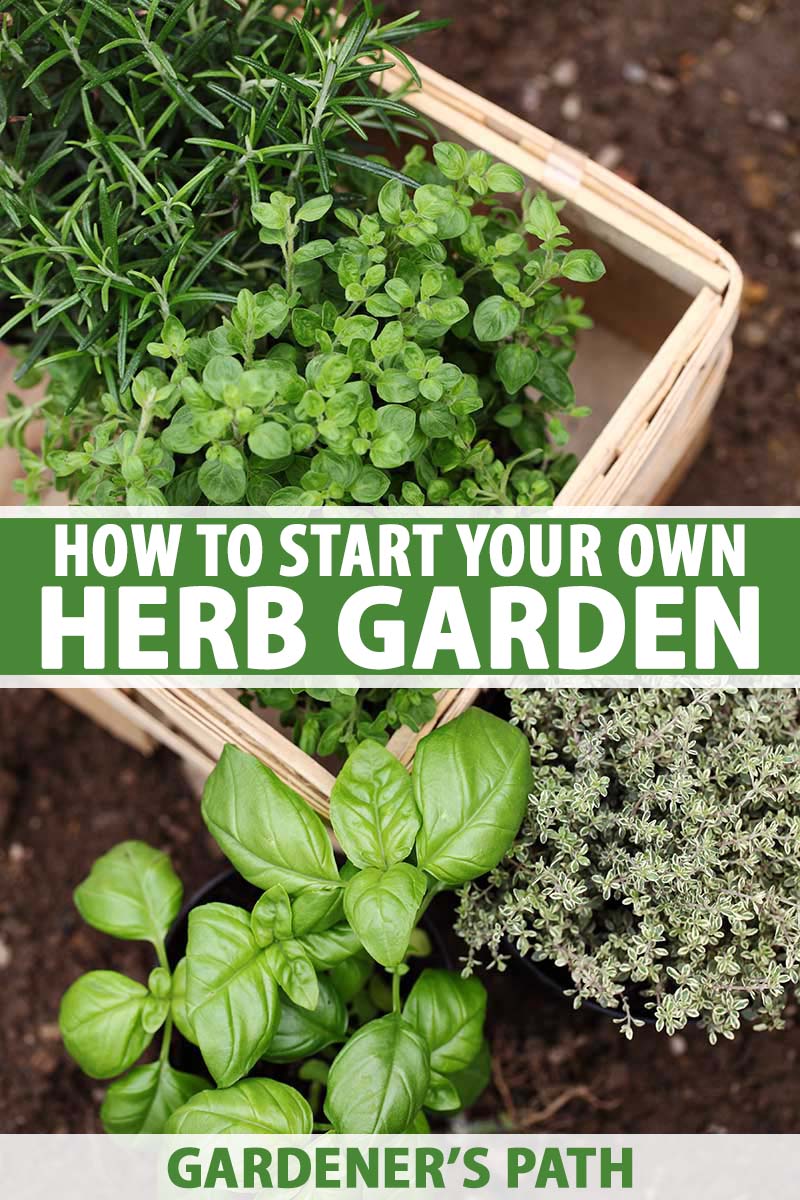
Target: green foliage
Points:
(328, 721)
(469, 835)
(659, 860)
(296, 980)
(133, 141)
(386, 362)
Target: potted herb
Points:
(333, 721)
(658, 860)
(286, 981)
(132, 143)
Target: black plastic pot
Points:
(558, 979)
(229, 888)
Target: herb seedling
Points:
(294, 981)
(659, 857)
(335, 720)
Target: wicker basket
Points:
(651, 371)
(196, 723)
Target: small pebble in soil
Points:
(610, 156)
(751, 13)
(571, 108)
(754, 334)
(777, 121)
(678, 1045)
(16, 853)
(565, 73)
(5, 955)
(531, 97)
(794, 239)
(634, 72)
(664, 85)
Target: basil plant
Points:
(312, 984)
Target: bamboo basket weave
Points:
(651, 371)
(196, 723)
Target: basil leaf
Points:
(450, 1012)
(315, 911)
(350, 976)
(302, 1032)
(101, 1023)
(269, 834)
(473, 1081)
(293, 971)
(252, 1106)
(144, 1099)
(420, 1124)
(472, 778)
(442, 1095)
(378, 1082)
(154, 1013)
(373, 812)
(132, 892)
(331, 947)
(178, 1003)
(271, 919)
(382, 908)
(231, 998)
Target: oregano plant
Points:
(333, 721)
(412, 352)
(313, 980)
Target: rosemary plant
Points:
(133, 142)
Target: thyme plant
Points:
(133, 141)
(659, 861)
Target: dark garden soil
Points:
(699, 105)
(68, 792)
